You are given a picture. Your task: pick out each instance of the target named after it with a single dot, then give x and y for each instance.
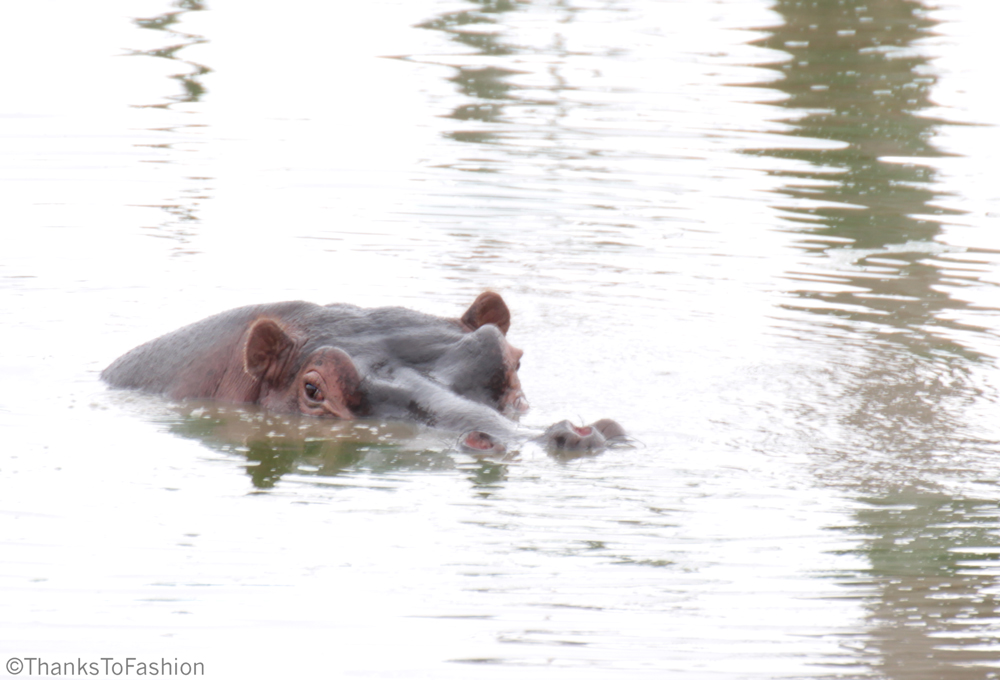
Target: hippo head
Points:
(345, 362)
(325, 383)
(305, 368)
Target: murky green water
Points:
(763, 236)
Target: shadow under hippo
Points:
(346, 362)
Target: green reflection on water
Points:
(856, 81)
(855, 76)
(909, 533)
(169, 23)
(487, 86)
(934, 563)
(276, 445)
(271, 460)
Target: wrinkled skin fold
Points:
(342, 361)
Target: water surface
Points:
(762, 235)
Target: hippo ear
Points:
(267, 345)
(489, 307)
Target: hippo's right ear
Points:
(267, 347)
(489, 307)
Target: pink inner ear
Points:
(489, 308)
(266, 345)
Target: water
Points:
(763, 236)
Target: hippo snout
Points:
(565, 436)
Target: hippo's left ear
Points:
(489, 307)
(266, 348)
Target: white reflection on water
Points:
(747, 230)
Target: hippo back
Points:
(192, 361)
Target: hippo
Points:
(347, 362)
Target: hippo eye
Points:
(314, 392)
